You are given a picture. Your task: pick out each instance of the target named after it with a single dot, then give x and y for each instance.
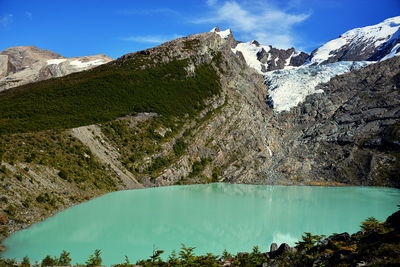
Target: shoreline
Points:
(311, 184)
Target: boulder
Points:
(283, 248)
(273, 247)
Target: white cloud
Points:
(6, 21)
(152, 39)
(266, 23)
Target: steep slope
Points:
(20, 65)
(368, 43)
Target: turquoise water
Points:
(210, 217)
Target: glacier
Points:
(290, 87)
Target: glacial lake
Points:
(210, 217)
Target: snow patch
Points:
(290, 87)
(55, 61)
(85, 64)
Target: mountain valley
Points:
(199, 109)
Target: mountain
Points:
(26, 64)
(372, 43)
(197, 109)
(264, 58)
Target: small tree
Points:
(309, 241)
(49, 261)
(186, 254)
(373, 225)
(94, 259)
(156, 255)
(64, 259)
(226, 254)
(173, 258)
(25, 262)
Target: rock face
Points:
(374, 43)
(21, 57)
(26, 64)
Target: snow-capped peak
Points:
(224, 34)
(358, 44)
(266, 58)
(250, 52)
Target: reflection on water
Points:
(210, 217)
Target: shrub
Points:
(94, 259)
(64, 259)
(308, 241)
(179, 147)
(19, 177)
(49, 261)
(25, 262)
(199, 166)
(373, 225)
(63, 175)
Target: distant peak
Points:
(224, 34)
(215, 29)
(255, 42)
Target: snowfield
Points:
(250, 51)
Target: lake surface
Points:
(210, 217)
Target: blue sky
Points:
(116, 27)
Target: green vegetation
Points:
(179, 147)
(199, 166)
(25, 262)
(94, 259)
(62, 260)
(108, 92)
(57, 150)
